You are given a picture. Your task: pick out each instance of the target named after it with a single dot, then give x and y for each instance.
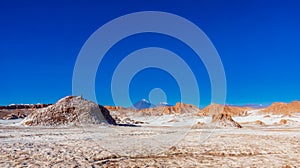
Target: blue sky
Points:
(258, 42)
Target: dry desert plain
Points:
(169, 140)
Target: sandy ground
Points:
(149, 146)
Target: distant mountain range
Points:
(145, 106)
(250, 105)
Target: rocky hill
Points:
(179, 108)
(283, 108)
(224, 120)
(19, 111)
(24, 106)
(226, 109)
(71, 110)
(222, 115)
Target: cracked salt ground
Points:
(224, 148)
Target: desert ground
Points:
(52, 137)
(115, 146)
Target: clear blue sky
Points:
(258, 42)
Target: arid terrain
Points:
(106, 147)
(179, 136)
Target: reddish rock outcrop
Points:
(258, 122)
(114, 108)
(225, 120)
(283, 121)
(217, 109)
(179, 108)
(283, 108)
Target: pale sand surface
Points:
(114, 146)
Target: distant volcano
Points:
(143, 104)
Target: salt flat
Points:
(149, 146)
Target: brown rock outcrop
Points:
(283, 108)
(283, 121)
(198, 125)
(179, 108)
(114, 108)
(24, 106)
(217, 109)
(258, 122)
(225, 120)
(19, 111)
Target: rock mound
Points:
(287, 122)
(283, 108)
(217, 109)
(258, 122)
(71, 110)
(283, 121)
(179, 108)
(199, 125)
(224, 120)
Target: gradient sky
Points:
(258, 42)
